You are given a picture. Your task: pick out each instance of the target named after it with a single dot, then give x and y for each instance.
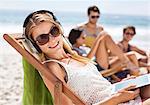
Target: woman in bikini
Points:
(128, 33)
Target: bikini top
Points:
(125, 50)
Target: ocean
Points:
(11, 21)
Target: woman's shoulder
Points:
(52, 64)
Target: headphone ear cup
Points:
(37, 48)
(30, 47)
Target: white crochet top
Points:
(88, 83)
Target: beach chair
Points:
(16, 41)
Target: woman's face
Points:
(54, 45)
(128, 35)
(81, 40)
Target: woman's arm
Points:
(110, 101)
(123, 95)
(134, 48)
(55, 69)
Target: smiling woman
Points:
(77, 74)
(44, 40)
(128, 33)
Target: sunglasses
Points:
(128, 33)
(44, 38)
(93, 17)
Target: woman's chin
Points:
(55, 51)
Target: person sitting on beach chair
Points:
(99, 50)
(128, 33)
(79, 73)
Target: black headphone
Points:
(26, 23)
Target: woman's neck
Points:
(124, 41)
(60, 56)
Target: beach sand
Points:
(11, 77)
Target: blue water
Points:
(18, 16)
(12, 20)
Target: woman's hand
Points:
(126, 94)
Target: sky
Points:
(131, 7)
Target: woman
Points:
(77, 39)
(128, 33)
(45, 34)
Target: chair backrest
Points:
(15, 40)
(34, 87)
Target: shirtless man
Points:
(91, 29)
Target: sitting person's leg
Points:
(100, 50)
(133, 58)
(105, 43)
